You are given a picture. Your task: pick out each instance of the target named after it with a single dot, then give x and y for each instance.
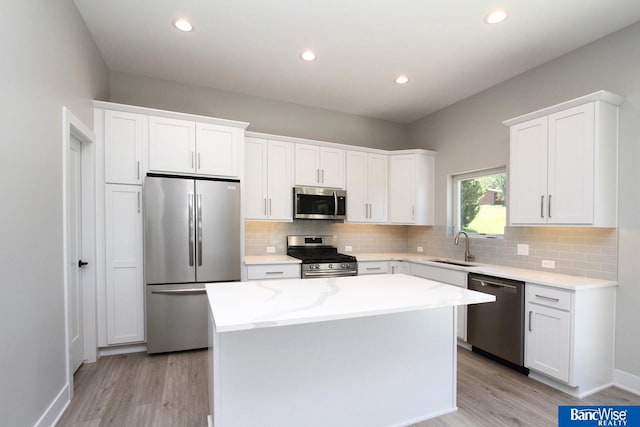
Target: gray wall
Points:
(49, 60)
(264, 115)
(469, 136)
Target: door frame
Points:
(72, 126)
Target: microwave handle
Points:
(335, 204)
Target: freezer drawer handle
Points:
(274, 272)
(181, 291)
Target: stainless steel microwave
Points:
(319, 203)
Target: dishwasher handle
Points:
(494, 284)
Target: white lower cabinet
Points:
(373, 267)
(451, 277)
(273, 271)
(569, 337)
(124, 285)
(400, 267)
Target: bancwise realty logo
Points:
(587, 416)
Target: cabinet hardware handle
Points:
(265, 207)
(541, 206)
(192, 159)
(274, 272)
(549, 207)
(548, 298)
(270, 206)
(373, 268)
(322, 174)
(530, 327)
(393, 269)
(318, 176)
(138, 166)
(139, 201)
(181, 291)
(413, 211)
(198, 161)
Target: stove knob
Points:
(331, 266)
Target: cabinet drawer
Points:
(373, 267)
(273, 271)
(549, 297)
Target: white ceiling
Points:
(253, 46)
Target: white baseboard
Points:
(122, 349)
(626, 381)
(55, 410)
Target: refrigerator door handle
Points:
(199, 219)
(191, 230)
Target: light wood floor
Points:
(171, 390)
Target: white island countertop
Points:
(240, 306)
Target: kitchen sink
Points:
(454, 262)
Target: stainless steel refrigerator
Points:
(192, 237)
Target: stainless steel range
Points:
(320, 257)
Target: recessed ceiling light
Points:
(308, 55)
(496, 16)
(402, 80)
(183, 25)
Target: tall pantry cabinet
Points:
(121, 288)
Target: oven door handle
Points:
(181, 291)
(330, 274)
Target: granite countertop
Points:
(557, 280)
(261, 304)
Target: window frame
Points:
(455, 198)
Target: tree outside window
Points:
(480, 198)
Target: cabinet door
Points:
(124, 264)
(528, 172)
(123, 147)
(357, 203)
(255, 178)
(378, 187)
(402, 190)
(331, 167)
(547, 342)
(307, 165)
(571, 166)
(217, 150)
(280, 181)
(172, 145)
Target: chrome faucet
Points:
(467, 255)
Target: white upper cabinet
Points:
(123, 141)
(218, 150)
(319, 166)
(367, 187)
(268, 179)
(563, 164)
(411, 187)
(184, 146)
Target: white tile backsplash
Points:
(588, 252)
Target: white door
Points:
(217, 150)
(280, 180)
(74, 252)
(357, 208)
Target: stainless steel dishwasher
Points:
(497, 329)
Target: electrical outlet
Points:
(420, 249)
(523, 249)
(348, 248)
(271, 249)
(546, 263)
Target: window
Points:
(479, 202)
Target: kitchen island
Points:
(353, 351)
